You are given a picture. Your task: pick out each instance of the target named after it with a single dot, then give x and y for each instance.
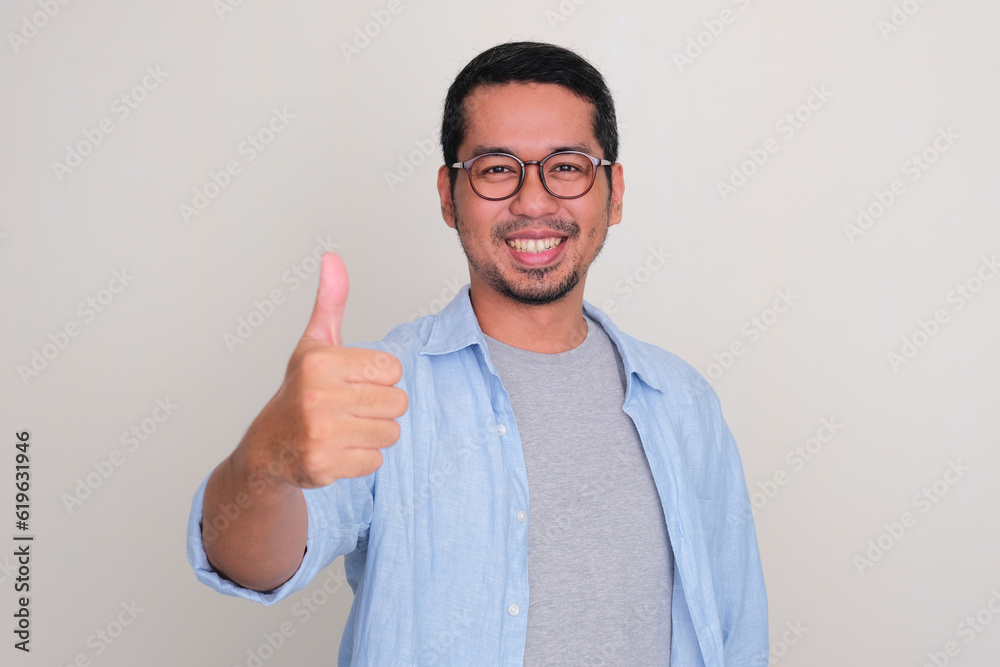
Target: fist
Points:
(337, 406)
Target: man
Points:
(635, 545)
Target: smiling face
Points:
(533, 248)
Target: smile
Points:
(534, 246)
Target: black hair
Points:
(529, 62)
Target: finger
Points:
(331, 297)
(339, 435)
(375, 401)
(349, 364)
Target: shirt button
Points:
(501, 429)
(513, 609)
(522, 515)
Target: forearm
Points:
(334, 412)
(254, 526)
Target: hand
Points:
(336, 407)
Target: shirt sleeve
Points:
(740, 591)
(339, 520)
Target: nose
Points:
(533, 200)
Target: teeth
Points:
(533, 246)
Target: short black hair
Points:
(529, 62)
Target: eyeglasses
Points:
(498, 176)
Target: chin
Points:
(536, 295)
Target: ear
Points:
(444, 192)
(617, 193)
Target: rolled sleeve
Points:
(321, 550)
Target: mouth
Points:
(536, 251)
(535, 246)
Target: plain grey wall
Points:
(807, 111)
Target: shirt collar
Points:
(456, 327)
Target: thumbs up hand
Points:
(337, 405)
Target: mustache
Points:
(563, 226)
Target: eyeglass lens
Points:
(566, 174)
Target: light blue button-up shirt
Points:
(435, 542)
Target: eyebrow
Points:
(481, 149)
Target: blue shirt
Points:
(435, 542)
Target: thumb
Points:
(328, 313)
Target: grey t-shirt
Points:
(600, 566)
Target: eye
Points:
(568, 166)
(497, 169)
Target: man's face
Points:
(530, 121)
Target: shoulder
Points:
(657, 367)
(404, 340)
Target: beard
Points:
(537, 291)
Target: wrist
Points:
(262, 458)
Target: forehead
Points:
(529, 119)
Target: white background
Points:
(685, 125)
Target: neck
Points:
(548, 328)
